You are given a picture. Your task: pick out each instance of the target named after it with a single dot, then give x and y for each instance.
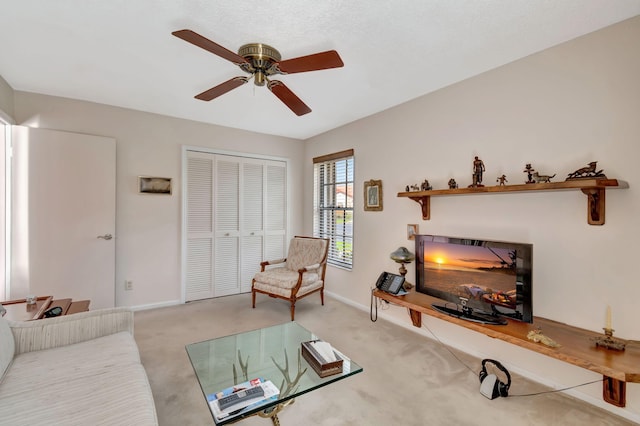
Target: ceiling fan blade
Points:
(222, 88)
(283, 93)
(317, 61)
(206, 44)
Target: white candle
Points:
(608, 318)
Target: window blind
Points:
(333, 205)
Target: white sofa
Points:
(80, 369)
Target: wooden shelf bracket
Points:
(595, 205)
(425, 205)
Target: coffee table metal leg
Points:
(272, 412)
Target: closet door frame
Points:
(183, 215)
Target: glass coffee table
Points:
(273, 354)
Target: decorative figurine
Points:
(502, 179)
(406, 188)
(478, 169)
(528, 170)
(588, 172)
(425, 186)
(453, 184)
(537, 336)
(538, 178)
(415, 188)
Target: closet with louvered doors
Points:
(235, 218)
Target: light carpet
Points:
(407, 379)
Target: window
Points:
(333, 205)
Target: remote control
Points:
(241, 398)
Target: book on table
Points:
(269, 392)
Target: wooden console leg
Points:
(416, 318)
(614, 391)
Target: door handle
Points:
(106, 237)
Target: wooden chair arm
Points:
(310, 267)
(266, 263)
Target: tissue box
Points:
(320, 366)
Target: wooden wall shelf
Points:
(577, 347)
(594, 189)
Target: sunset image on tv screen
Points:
(479, 273)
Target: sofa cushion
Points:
(7, 346)
(97, 382)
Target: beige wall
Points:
(558, 109)
(6, 100)
(148, 229)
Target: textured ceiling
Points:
(122, 53)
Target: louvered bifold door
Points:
(275, 221)
(227, 225)
(252, 216)
(199, 227)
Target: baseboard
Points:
(156, 305)
(522, 372)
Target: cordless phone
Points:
(391, 283)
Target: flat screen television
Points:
(477, 280)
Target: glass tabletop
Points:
(272, 353)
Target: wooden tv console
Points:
(577, 346)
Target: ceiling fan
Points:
(262, 61)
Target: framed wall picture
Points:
(154, 185)
(373, 195)
(412, 230)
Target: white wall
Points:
(148, 227)
(558, 109)
(6, 100)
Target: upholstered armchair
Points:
(300, 274)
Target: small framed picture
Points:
(412, 230)
(373, 195)
(154, 185)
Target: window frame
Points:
(334, 180)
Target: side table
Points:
(19, 310)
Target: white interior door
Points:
(64, 215)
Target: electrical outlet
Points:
(128, 285)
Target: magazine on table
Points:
(271, 393)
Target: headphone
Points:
(490, 386)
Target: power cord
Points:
(374, 315)
(558, 390)
(510, 395)
(475, 373)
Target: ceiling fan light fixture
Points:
(259, 52)
(259, 78)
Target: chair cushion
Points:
(305, 252)
(7, 346)
(284, 278)
(286, 292)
